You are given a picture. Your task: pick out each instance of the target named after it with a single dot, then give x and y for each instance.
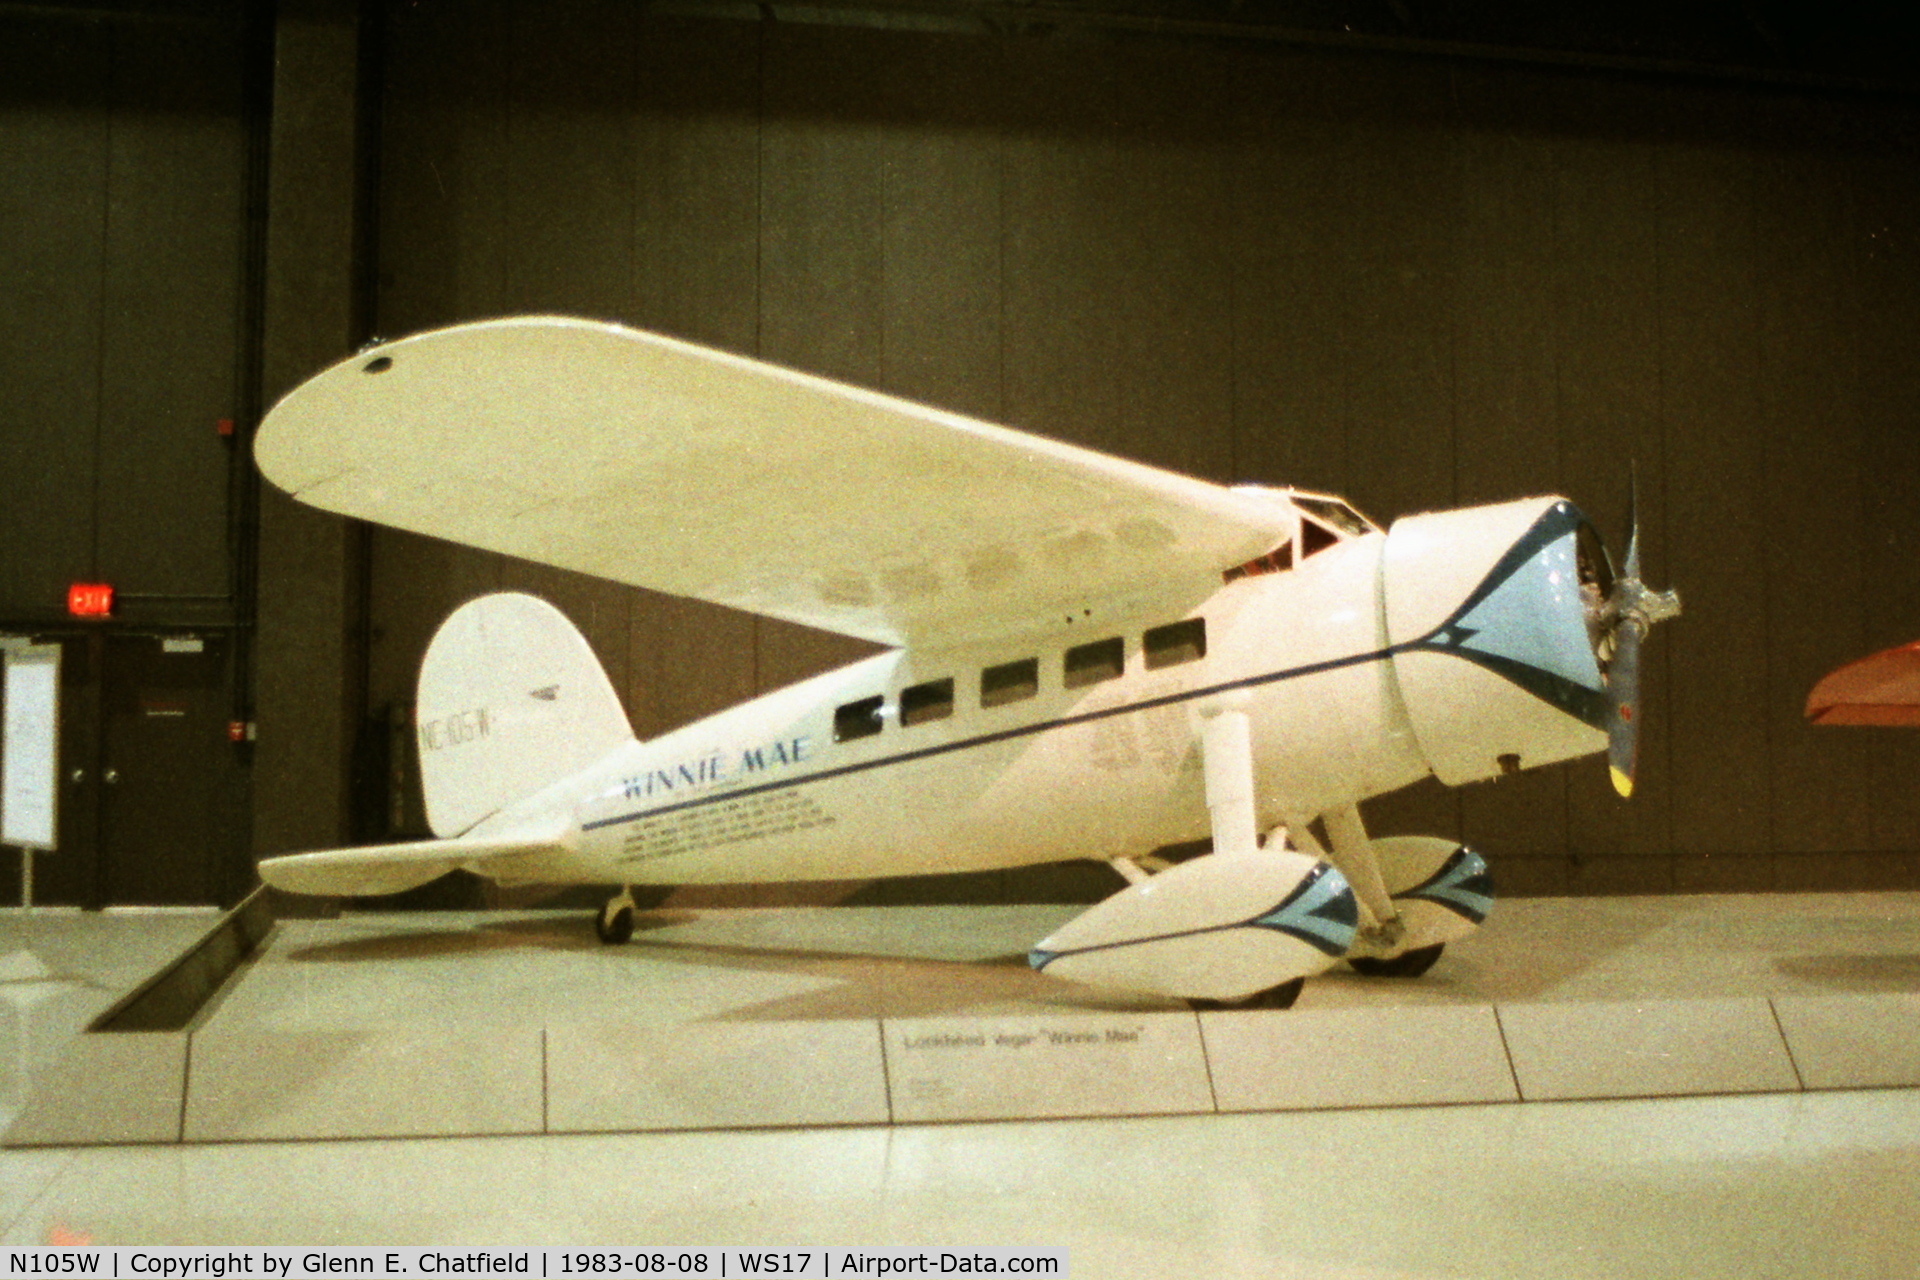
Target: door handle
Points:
(111, 776)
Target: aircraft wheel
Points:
(614, 924)
(1280, 997)
(1408, 964)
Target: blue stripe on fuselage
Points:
(1556, 690)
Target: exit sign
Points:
(90, 599)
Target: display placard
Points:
(30, 761)
(1018, 1066)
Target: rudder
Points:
(511, 700)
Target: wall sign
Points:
(30, 762)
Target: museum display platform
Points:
(385, 1025)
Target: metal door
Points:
(162, 739)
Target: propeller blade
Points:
(1623, 683)
(1631, 569)
(1634, 609)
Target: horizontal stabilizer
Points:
(393, 868)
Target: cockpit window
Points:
(1315, 538)
(1335, 514)
(1324, 522)
(1276, 560)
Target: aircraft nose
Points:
(1491, 638)
(1527, 619)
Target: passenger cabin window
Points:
(1009, 682)
(1175, 643)
(1091, 663)
(857, 719)
(930, 701)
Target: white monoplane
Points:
(1089, 658)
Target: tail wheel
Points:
(1408, 964)
(614, 924)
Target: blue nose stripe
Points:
(1524, 621)
(1517, 619)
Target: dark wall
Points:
(1412, 281)
(123, 181)
(126, 164)
(1415, 281)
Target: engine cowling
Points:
(1490, 617)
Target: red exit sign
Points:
(90, 599)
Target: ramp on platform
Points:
(521, 1022)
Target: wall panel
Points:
(568, 190)
(1706, 181)
(941, 171)
(696, 182)
(445, 254)
(445, 113)
(175, 235)
(122, 178)
(1292, 294)
(567, 225)
(54, 95)
(1060, 236)
(1885, 253)
(1811, 594)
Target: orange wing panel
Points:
(1881, 689)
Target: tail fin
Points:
(511, 700)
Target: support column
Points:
(310, 658)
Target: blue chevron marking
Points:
(1463, 885)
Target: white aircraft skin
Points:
(1460, 644)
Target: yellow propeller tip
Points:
(1622, 783)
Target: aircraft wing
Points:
(658, 463)
(1882, 688)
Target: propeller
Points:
(1630, 612)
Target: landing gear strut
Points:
(1380, 947)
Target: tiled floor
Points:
(61, 968)
(1776, 1184)
(1783, 1185)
